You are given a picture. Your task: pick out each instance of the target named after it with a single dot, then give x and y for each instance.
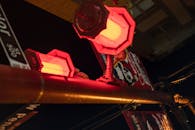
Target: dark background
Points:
(41, 31)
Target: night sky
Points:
(41, 31)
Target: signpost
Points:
(14, 56)
(10, 44)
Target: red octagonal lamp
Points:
(56, 62)
(111, 32)
(113, 35)
(118, 34)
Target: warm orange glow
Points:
(56, 62)
(53, 68)
(112, 31)
(54, 65)
(113, 38)
(117, 35)
(66, 61)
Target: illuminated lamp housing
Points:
(117, 35)
(55, 62)
(111, 40)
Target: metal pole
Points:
(26, 86)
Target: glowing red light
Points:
(55, 62)
(54, 65)
(112, 32)
(118, 34)
(65, 56)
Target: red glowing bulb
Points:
(111, 33)
(55, 62)
(118, 34)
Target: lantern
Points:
(118, 34)
(55, 62)
(110, 32)
(113, 35)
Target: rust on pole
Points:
(26, 86)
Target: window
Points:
(140, 6)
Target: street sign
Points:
(10, 44)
